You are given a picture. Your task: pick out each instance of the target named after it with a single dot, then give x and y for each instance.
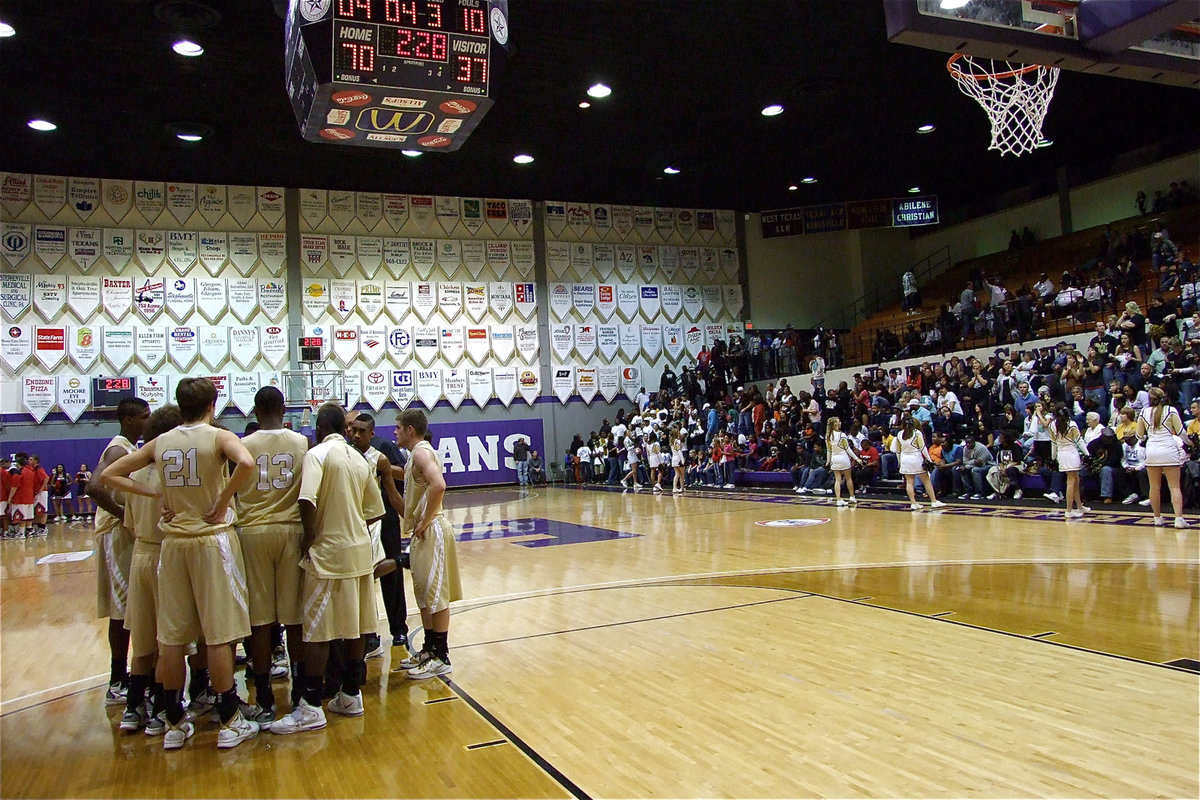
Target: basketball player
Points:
(41, 495)
(432, 554)
(338, 498)
(270, 531)
(202, 588)
(114, 546)
(142, 514)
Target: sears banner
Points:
(475, 453)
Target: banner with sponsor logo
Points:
(213, 344)
(585, 383)
(74, 395)
(500, 298)
(38, 395)
(375, 388)
(404, 387)
(118, 345)
(454, 386)
(608, 382)
(563, 383)
(608, 340)
(50, 345)
(83, 345)
(429, 387)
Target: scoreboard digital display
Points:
(413, 74)
(107, 393)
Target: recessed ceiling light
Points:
(7, 30)
(585, 104)
(928, 127)
(914, 190)
(599, 90)
(793, 188)
(42, 125)
(523, 158)
(952, 5)
(410, 153)
(187, 48)
(671, 170)
(809, 179)
(772, 110)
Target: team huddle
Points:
(206, 540)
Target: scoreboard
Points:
(409, 74)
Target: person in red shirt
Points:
(21, 494)
(5, 486)
(41, 495)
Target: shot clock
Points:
(411, 74)
(107, 393)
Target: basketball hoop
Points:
(1015, 97)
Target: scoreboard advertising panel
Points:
(408, 74)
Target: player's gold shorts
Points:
(271, 554)
(202, 590)
(141, 612)
(434, 562)
(338, 608)
(114, 551)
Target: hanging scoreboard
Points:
(409, 74)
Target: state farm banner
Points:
(83, 345)
(625, 257)
(504, 384)
(526, 299)
(150, 342)
(479, 385)
(477, 343)
(118, 346)
(404, 387)
(243, 344)
(671, 300)
(50, 244)
(560, 299)
(606, 301)
(315, 298)
(628, 300)
(49, 295)
(649, 301)
(424, 299)
(693, 339)
(343, 297)
(345, 343)
(83, 295)
(454, 386)
(496, 214)
(85, 247)
(397, 299)
(503, 341)
(608, 382)
(116, 295)
(523, 257)
(585, 383)
(424, 255)
(149, 296)
(183, 345)
(246, 248)
(692, 302)
(17, 346)
(585, 341)
(214, 345)
(38, 395)
(272, 297)
(397, 256)
(451, 345)
(50, 345)
(672, 335)
(213, 252)
(500, 298)
(558, 257)
(529, 384)
(583, 298)
(449, 255)
(370, 299)
(631, 341)
(562, 340)
(74, 395)
(429, 387)
(375, 388)
(474, 257)
(581, 259)
(608, 340)
(732, 298)
(449, 299)
(711, 297)
(425, 343)
(652, 341)
(563, 383)
(211, 298)
(527, 343)
(475, 301)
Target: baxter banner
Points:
(479, 453)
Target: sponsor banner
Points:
(520, 215)
(155, 390)
(370, 299)
(713, 333)
(477, 343)
(242, 388)
(527, 343)
(425, 343)
(706, 223)
(243, 297)
(693, 304)
(424, 254)
(560, 299)
(731, 296)
(352, 387)
(272, 297)
(603, 260)
(725, 224)
(118, 346)
(15, 242)
(448, 212)
(689, 262)
(183, 345)
(345, 343)
(558, 257)
(669, 261)
(471, 209)
(397, 256)
(404, 387)
(50, 195)
(523, 257)
(429, 387)
(631, 340)
(449, 255)
(556, 216)
(628, 300)
(242, 249)
(343, 297)
(85, 246)
(608, 340)
(562, 340)
(314, 252)
(315, 297)
(181, 201)
(38, 395)
(631, 382)
(151, 345)
(372, 343)
(563, 383)
(50, 345)
(608, 382)
(16, 294)
(424, 300)
(17, 346)
(652, 341)
(342, 253)
(671, 301)
(49, 296)
(211, 298)
(672, 335)
(341, 208)
(496, 213)
(650, 301)
(479, 385)
(214, 345)
(625, 259)
(221, 383)
(83, 345)
(579, 218)
(728, 258)
(622, 221)
(583, 298)
(454, 386)
(664, 222)
(525, 299)
(240, 202)
(399, 344)
(397, 299)
(474, 257)
(475, 300)
(74, 395)
(585, 383)
(693, 339)
(709, 262)
(395, 210)
(149, 296)
(499, 256)
(503, 341)
(243, 344)
(314, 206)
(585, 341)
(274, 344)
(500, 298)
(211, 202)
(368, 208)
(450, 344)
(150, 248)
(581, 259)
(450, 300)
(713, 300)
(116, 295)
(529, 384)
(50, 244)
(370, 254)
(606, 300)
(643, 222)
(420, 209)
(149, 198)
(685, 223)
(375, 388)
(16, 192)
(504, 384)
(83, 295)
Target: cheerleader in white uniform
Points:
(1065, 437)
(1158, 427)
(677, 444)
(909, 446)
(841, 455)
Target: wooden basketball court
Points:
(625, 645)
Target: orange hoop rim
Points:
(1012, 73)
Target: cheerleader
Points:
(1065, 437)
(909, 447)
(677, 443)
(1158, 427)
(654, 460)
(841, 456)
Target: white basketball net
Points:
(1015, 97)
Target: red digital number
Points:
(350, 8)
(362, 56)
(472, 69)
(473, 20)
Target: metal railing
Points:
(883, 295)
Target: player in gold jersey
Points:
(270, 530)
(202, 588)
